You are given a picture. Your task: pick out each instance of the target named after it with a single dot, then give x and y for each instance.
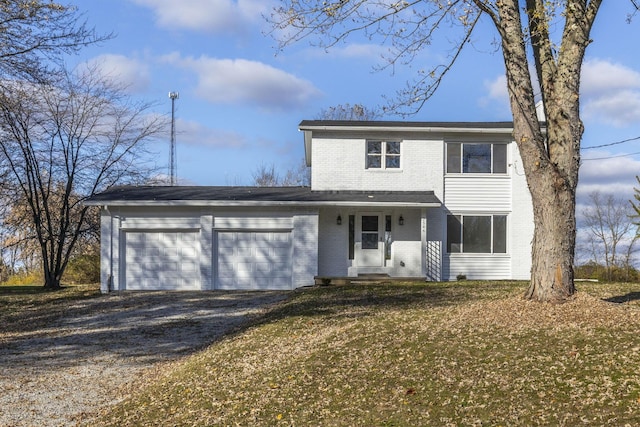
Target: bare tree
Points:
(635, 205)
(63, 143)
(636, 5)
(525, 28)
(268, 176)
(349, 112)
(20, 250)
(299, 176)
(611, 233)
(35, 35)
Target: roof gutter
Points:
(425, 129)
(253, 203)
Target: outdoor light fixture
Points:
(401, 220)
(339, 220)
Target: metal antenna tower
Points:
(173, 161)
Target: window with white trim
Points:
(474, 157)
(383, 155)
(477, 234)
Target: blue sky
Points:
(241, 100)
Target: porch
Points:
(363, 279)
(379, 243)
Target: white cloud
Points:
(196, 134)
(130, 72)
(615, 176)
(498, 88)
(497, 95)
(610, 92)
(350, 51)
(601, 77)
(213, 16)
(246, 82)
(617, 108)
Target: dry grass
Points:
(412, 354)
(32, 306)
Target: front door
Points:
(371, 248)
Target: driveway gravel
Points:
(99, 349)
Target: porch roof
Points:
(257, 196)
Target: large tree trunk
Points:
(51, 279)
(52, 283)
(553, 193)
(550, 152)
(553, 245)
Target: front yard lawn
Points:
(464, 353)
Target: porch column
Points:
(423, 241)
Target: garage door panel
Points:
(189, 268)
(244, 252)
(166, 238)
(225, 258)
(262, 256)
(153, 252)
(281, 237)
(254, 260)
(162, 260)
(262, 269)
(188, 254)
(225, 269)
(170, 251)
(243, 268)
(281, 269)
(188, 237)
(225, 238)
(242, 243)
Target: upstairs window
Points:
(383, 155)
(464, 157)
(477, 234)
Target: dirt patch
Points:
(61, 371)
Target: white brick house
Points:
(403, 199)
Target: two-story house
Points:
(403, 199)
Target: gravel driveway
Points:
(61, 374)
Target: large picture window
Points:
(464, 157)
(477, 234)
(383, 154)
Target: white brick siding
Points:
(521, 231)
(305, 249)
(333, 243)
(339, 164)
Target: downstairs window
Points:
(477, 234)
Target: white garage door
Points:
(162, 260)
(254, 260)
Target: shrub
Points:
(83, 269)
(24, 278)
(603, 274)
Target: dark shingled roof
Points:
(403, 124)
(205, 195)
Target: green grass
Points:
(464, 353)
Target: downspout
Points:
(110, 277)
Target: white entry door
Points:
(371, 248)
